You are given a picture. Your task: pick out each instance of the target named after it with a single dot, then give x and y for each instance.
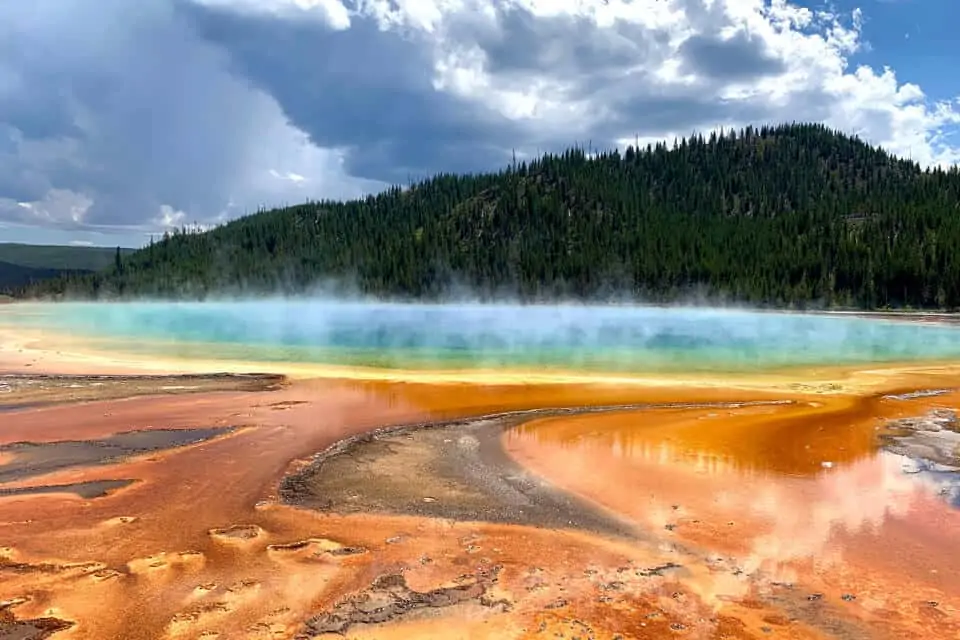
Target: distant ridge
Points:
(66, 257)
(22, 265)
(788, 215)
(13, 276)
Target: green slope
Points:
(14, 276)
(783, 215)
(59, 257)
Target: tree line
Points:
(786, 215)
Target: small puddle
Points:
(10, 408)
(916, 395)
(31, 459)
(85, 490)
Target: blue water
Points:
(620, 338)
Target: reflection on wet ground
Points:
(745, 514)
(798, 495)
(451, 469)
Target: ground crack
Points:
(389, 598)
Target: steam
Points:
(475, 334)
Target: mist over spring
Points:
(478, 335)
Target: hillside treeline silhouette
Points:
(787, 215)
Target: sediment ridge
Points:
(456, 469)
(20, 391)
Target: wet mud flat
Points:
(86, 490)
(929, 447)
(24, 391)
(31, 629)
(934, 437)
(455, 470)
(24, 460)
(854, 547)
(38, 628)
(29, 459)
(426, 530)
(586, 597)
(200, 549)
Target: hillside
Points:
(14, 276)
(58, 257)
(23, 265)
(784, 215)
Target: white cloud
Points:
(58, 207)
(169, 217)
(811, 51)
(332, 12)
(212, 108)
(295, 178)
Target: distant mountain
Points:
(26, 264)
(14, 276)
(779, 215)
(69, 258)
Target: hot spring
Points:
(439, 336)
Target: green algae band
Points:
(612, 338)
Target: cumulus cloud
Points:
(165, 111)
(125, 116)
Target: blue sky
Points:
(918, 38)
(121, 119)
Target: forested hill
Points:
(785, 215)
(13, 276)
(24, 264)
(59, 257)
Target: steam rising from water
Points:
(568, 336)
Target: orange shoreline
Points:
(153, 547)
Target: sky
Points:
(122, 119)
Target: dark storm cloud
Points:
(39, 120)
(371, 91)
(21, 186)
(564, 45)
(596, 64)
(142, 110)
(737, 58)
(362, 88)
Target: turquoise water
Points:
(616, 338)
